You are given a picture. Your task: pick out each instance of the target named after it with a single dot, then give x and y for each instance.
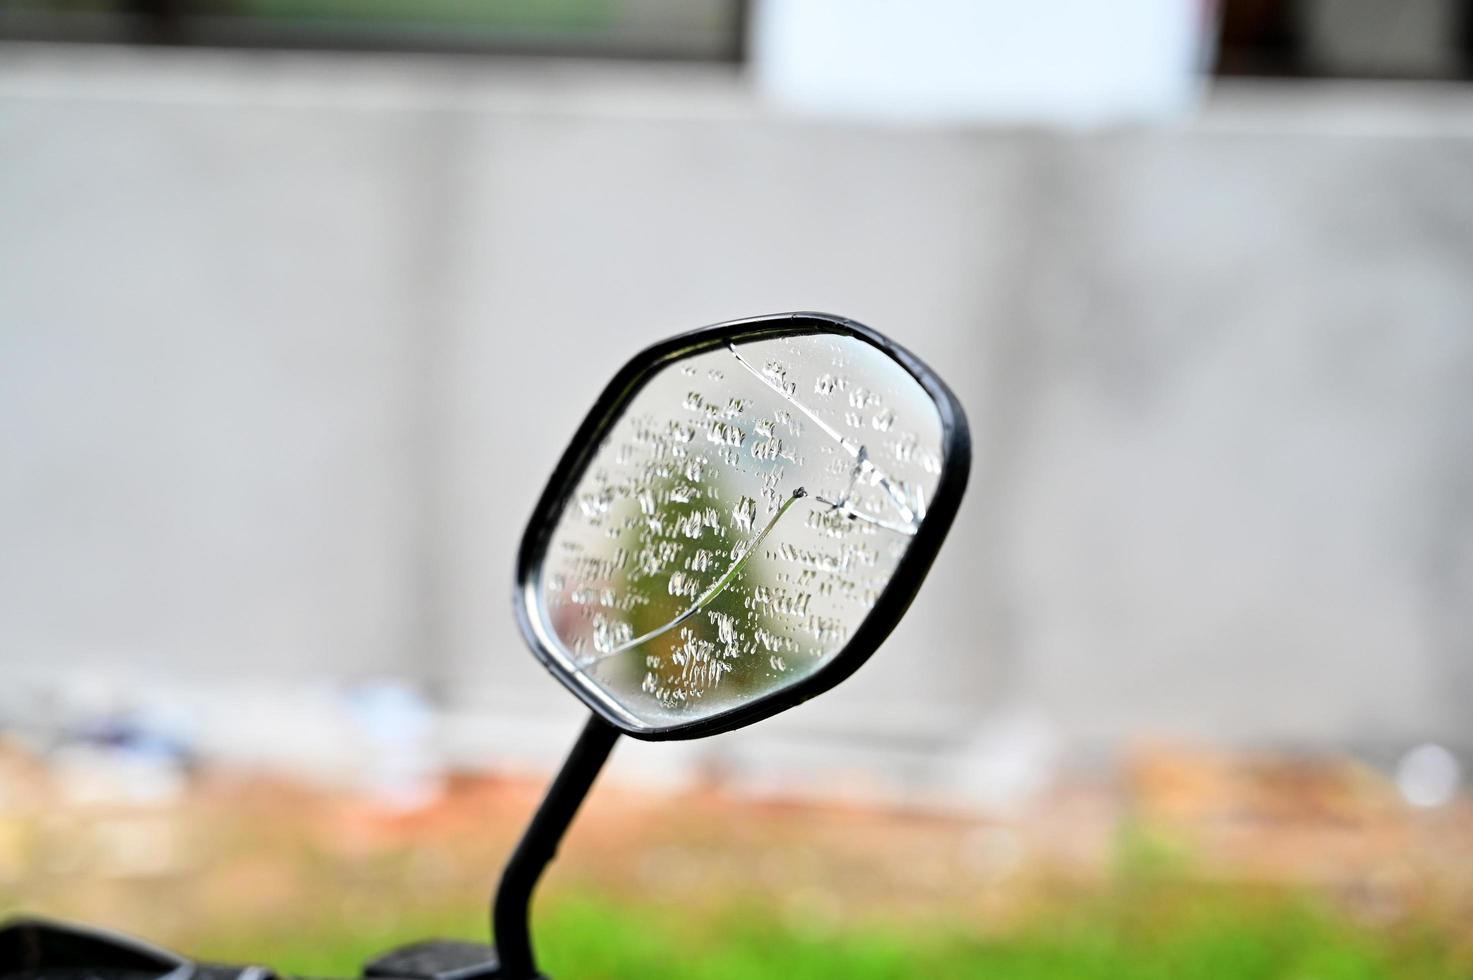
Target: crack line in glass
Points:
(862, 463)
(711, 593)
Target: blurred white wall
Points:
(1072, 62)
(289, 343)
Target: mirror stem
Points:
(539, 845)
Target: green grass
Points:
(1134, 934)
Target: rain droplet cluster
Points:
(737, 523)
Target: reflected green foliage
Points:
(663, 659)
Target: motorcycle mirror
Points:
(740, 521)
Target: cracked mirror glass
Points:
(737, 523)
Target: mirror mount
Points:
(538, 846)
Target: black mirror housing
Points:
(739, 437)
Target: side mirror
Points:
(740, 521)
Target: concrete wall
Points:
(288, 345)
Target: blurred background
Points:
(301, 299)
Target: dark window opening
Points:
(1408, 39)
(702, 30)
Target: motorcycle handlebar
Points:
(42, 949)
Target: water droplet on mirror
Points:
(767, 449)
(724, 433)
(744, 514)
(904, 448)
(690, 526)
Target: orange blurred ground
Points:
(257, 851)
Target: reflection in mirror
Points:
(737, 524)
